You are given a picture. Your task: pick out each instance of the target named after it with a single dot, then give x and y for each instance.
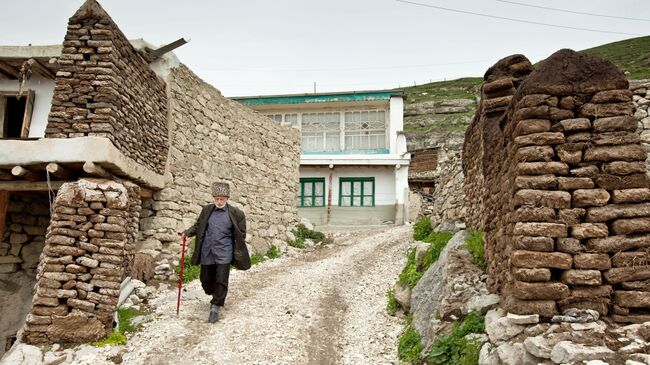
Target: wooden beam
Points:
(42, 69)
(25, 173)
(6, 175)
(96, 170)
(59, 171)
(9, 70)
(30, 185)
(4, 204)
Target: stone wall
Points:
(87, 246)
(28, 216)
(104, 87)
(448, 205)
(564, 190)
(215, 139)
(641, 100)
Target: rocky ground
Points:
(320, 306)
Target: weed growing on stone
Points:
(438, 241)
(125, 317)
(115, 338)
(392, 306)
(474, 244)
(410, 274)
(410, 345)
(302, 233)
(272, 253)
(422, 228)
(455, 348)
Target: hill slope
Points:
(436, 114)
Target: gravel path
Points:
(325, 306)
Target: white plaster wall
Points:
(396, 122)
(44, 90)
(385, 182)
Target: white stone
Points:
(523, 319)
(22, 354)
(590, 326)
(567, 351)
(481, 303)
(539, 346)
(487, 356)
(596, 362)
(503, 329)
(630, 362)
(515, 354)
(642, 358)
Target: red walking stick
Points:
(180, 276)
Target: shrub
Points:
(438, 241)
(392, 306)
(475, 246)
(190, 272)
(422, 228)
(455, 347)
(273, 252)
(297, 243)
(410, 274)
(301, 232)
(410, 345)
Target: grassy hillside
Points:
(631, 55)
(439, 112)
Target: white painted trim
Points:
(98, 150)
(396, 121)
(354, 160)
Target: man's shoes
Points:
(214, 315)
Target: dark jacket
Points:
(241, 260)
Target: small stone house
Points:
(108, 148)
(353, 160)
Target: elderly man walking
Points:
(220, 241)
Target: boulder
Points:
(567, 352)
(445, 287)
(502, 330)
(23, 354)
(403, 296)
(515, 354)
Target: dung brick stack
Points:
(79, 277)
(483, 156)
(104, 87)
(570, 194)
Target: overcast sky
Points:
(256, 47)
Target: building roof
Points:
(345, 96)
(13, 57)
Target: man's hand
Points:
(183, 236)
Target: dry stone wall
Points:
(104, 87)
(215, 139)
(564, 196)
(87, 248)
(448, 205)
(641, 100)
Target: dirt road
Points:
(326, 306)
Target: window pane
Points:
(345, 201)
(367, 201)
(356, 189)
(319, 202)
(307, 189)
(346, 188)
(356, 201)
(291, 118)
(307, 201)
(319, 188)
(367, 188)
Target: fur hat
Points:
(221, 189)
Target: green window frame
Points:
(309, 192)
(357, 192)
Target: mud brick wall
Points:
(570, 197)
(104, 87)
(28, 216)
(79, 276)
(215, 139)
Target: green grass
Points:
(474, 244)
(411, 273)
(410, 345)
(422, 228)
(455, 348)
(463, 88)
(631, 55)
(392, 306)
(302, 233)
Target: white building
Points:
(353, 162)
